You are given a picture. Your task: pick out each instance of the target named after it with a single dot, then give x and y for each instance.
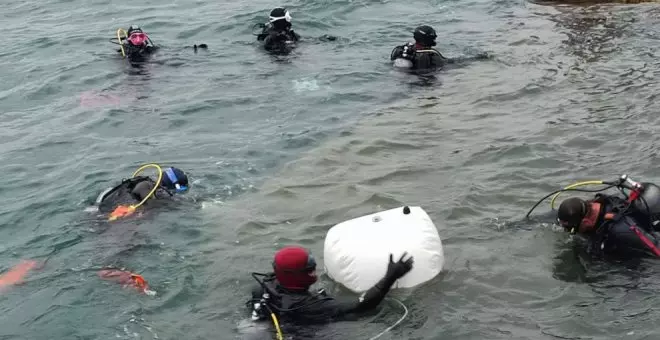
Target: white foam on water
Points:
(305, 85)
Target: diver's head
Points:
(174, 179)
(425, 35)
(295, 268)
(280, 18)
(136, 36)
(571, 214)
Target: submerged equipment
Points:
(123, 210)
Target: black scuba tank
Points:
(649, 201)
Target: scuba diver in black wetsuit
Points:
(625, 225)
(285, 293)
(135, 44)
(421, 55)
(277, 35)
(123, 199)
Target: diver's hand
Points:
(327, 37)
(396, 270)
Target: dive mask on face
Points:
(569, 227)
(311, 264)
(286, 17)
(138, 38)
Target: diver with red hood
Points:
(285, 293)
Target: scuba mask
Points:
(286, 17)
(280, 19)
(138, 38)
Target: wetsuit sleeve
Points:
(343, 309)
(459, 60)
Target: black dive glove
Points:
(395, 270)
(399, 269)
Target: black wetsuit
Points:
(278, 40)
(304, 307)
(130, 191)
(425, 58)
(615, 229)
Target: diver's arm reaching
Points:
(371, 298)
(395, 270)
(325, 37)
(464, 59)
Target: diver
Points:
(135, 44)
(614, 225)
(421, 55)
(285, 292)
(119, 200)
(277, 35)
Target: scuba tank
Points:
(649, 201)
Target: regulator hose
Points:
(567, 189)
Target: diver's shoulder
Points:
(429, 50)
